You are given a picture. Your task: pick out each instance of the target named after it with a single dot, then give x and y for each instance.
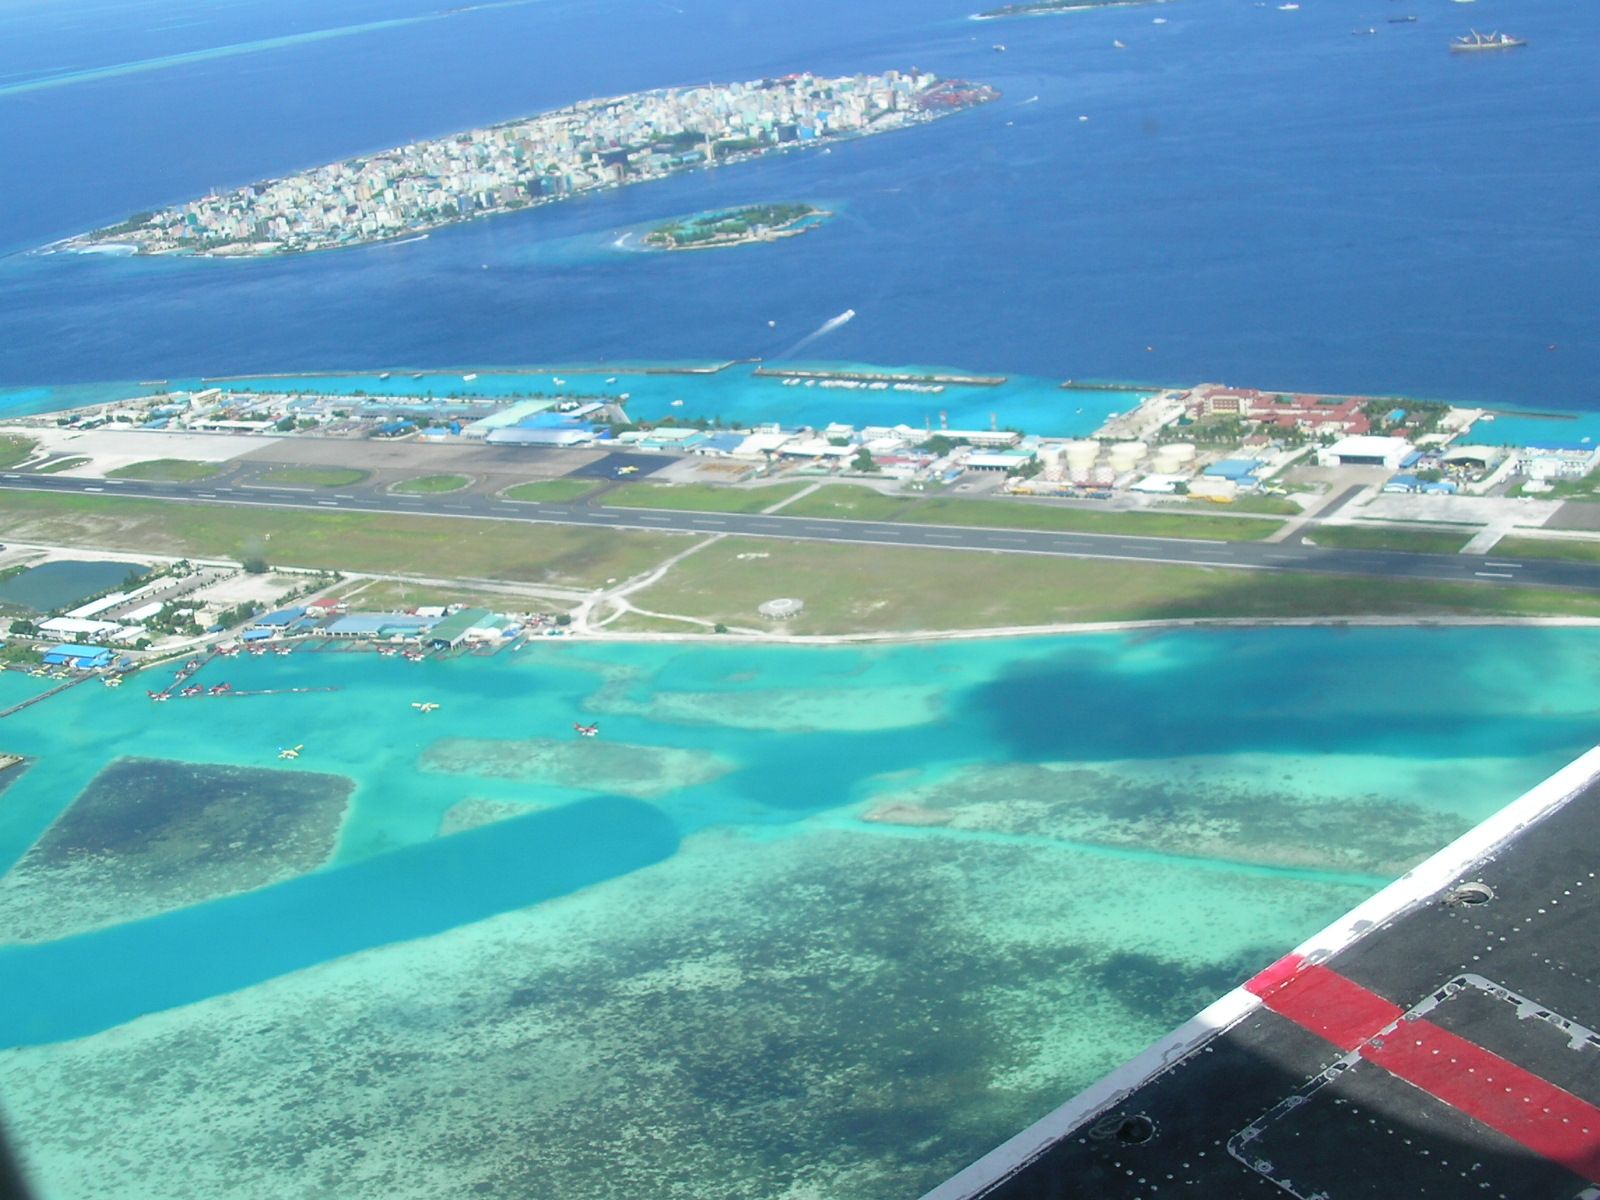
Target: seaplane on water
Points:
(159, 697)
(111, 680)
(583, 730)
(219, 689)
(424, 706)
(291, 751)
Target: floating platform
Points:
(1439, 1041)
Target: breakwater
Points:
(715, 368)
(1072, 385)
(881, 376)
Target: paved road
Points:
(1488, 570)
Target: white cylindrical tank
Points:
(1183, 450)
(1081, 455)
(1103, 475)
(1168, 463)
(1125, 454)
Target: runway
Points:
(1487, 570)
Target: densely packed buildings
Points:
(598, 143)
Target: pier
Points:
(1072, 385)
(882, 377)
(44, 695)
(208, 694)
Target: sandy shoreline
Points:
(1088, 627)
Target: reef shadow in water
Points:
(150, 835)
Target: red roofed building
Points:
(1336, 414)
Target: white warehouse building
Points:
(1365, 451)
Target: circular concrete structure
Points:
(781, 609)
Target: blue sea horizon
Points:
(1325, 220)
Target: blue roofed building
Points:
(1233, 468)
(278, 621)
(82, 658)
(380, 626)
(720, 445)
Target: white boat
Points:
(1288, 7)
(677, 404)
(469, 377)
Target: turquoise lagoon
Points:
(736, 394)
(801, 922)
(740, 397)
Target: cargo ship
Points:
(1486, 41)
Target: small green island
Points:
(1032, 8)
(736, 226)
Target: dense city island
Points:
(736, 227)
(410, 190)
(1034, 8)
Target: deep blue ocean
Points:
(1257, 196)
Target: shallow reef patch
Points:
(477, 811)
(591, 764)
(1367, 816)
(821, 1013)
(150, 835)
(854, 710)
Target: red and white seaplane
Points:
(586, 730)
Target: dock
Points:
(294, 691)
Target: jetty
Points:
(208, 694)
(1072, 385)
(881, 376)
(44, 695)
